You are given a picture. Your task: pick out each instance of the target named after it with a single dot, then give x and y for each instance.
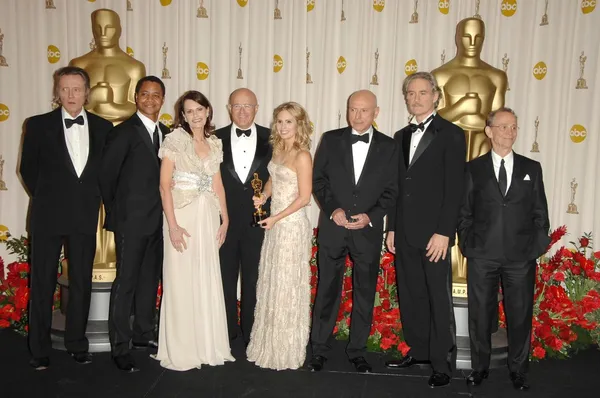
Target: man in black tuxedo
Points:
(503, 228)
(59, 166)
(129, 181)
(422, 228)
(355, 183)
(246, 150)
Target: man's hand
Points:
(389, 242)
(339, 217)
(361, 221)
(437, 247)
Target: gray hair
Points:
(69, 71)
(425, 76)
(492, 115)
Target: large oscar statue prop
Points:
(471, 89)
(113, 76)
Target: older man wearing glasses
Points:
(503, 228)
(246, 151)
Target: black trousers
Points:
(518, 282)
(425, 298)
(241, 251)
(139, 265)
(45, 252)
(331, 263)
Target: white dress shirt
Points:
(359, 153)
(242, 150)
(150, 126)
(508, 165)
(77, 138)
(416, 137)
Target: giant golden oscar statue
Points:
(471, 89)
(113, 76)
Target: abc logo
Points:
(341, 65)
(4, 112)
(91, 1)
(310, 5)
(508, 7)
(130, 51)
(444, 6)
(410, 67)
(166, 119)
(53, 54)
(588, 6)
(539, 70)
(277, 63)
(4, 234)
(202, 71)
(378, 5)
(165, 3)
(577, 133)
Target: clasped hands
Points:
(176, 235)
(437, 247)
(359, 221)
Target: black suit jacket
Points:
(334, 183)
(61, 202)
(431, 187)
(130, 179)
(515, 226)
(240, 206)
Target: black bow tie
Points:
(355, 138)
(70, 122)
(420, 126)
(241, 132)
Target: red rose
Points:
(403, 348)
(584, 242)
(4, 323)
(597, 255)
(539, 352)
(559, 276)
(385, 304)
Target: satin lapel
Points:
(346, 147)
(91, 141)
(406, 136)
(428, 136)
(516, 174)
(228, 155)
(262, 149)
(491, 176)
(372, 156)
(57, 129)
(143, 132)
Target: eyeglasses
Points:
(504, 128)
(238, 107)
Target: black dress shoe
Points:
(143, 345)
(405, 362)
(125, 363)
(476, 377)
(316, 363)
(82, 358)
(40, 363)
(438, 379)
(519, 381)
(361, 365)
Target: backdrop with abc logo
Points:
(317, 52)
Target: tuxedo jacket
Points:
(240, 205)
(334, 184)
(61, 202)
(431, 186)
(513, 227)
(130, 179)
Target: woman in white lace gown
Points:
(281, 317)
(193, 325)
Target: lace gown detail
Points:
(282, 315)
(193, 326)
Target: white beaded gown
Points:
(193, 325)
(282, 315)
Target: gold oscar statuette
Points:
(259, 214)
(165, 72)
(572, 208)
(308, 77)
(545, 16)
(129, 6)
(240, 75)
(414, 18)
(535, 146)
(2, 183)
(443, 57)
(470, 90)
(375, 78)
(2, 58)
(50, 5)
(476, 15)
(505, 61)
(581, 83)
(343, 18)
(201, 13)
(277, 11)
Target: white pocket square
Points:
(526, 178)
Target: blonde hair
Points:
(303, 131)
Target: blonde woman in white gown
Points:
(281, 325)
(193, 326)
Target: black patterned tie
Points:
(156, 140)
(420, 126)
(502, 180)
(71, 122)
